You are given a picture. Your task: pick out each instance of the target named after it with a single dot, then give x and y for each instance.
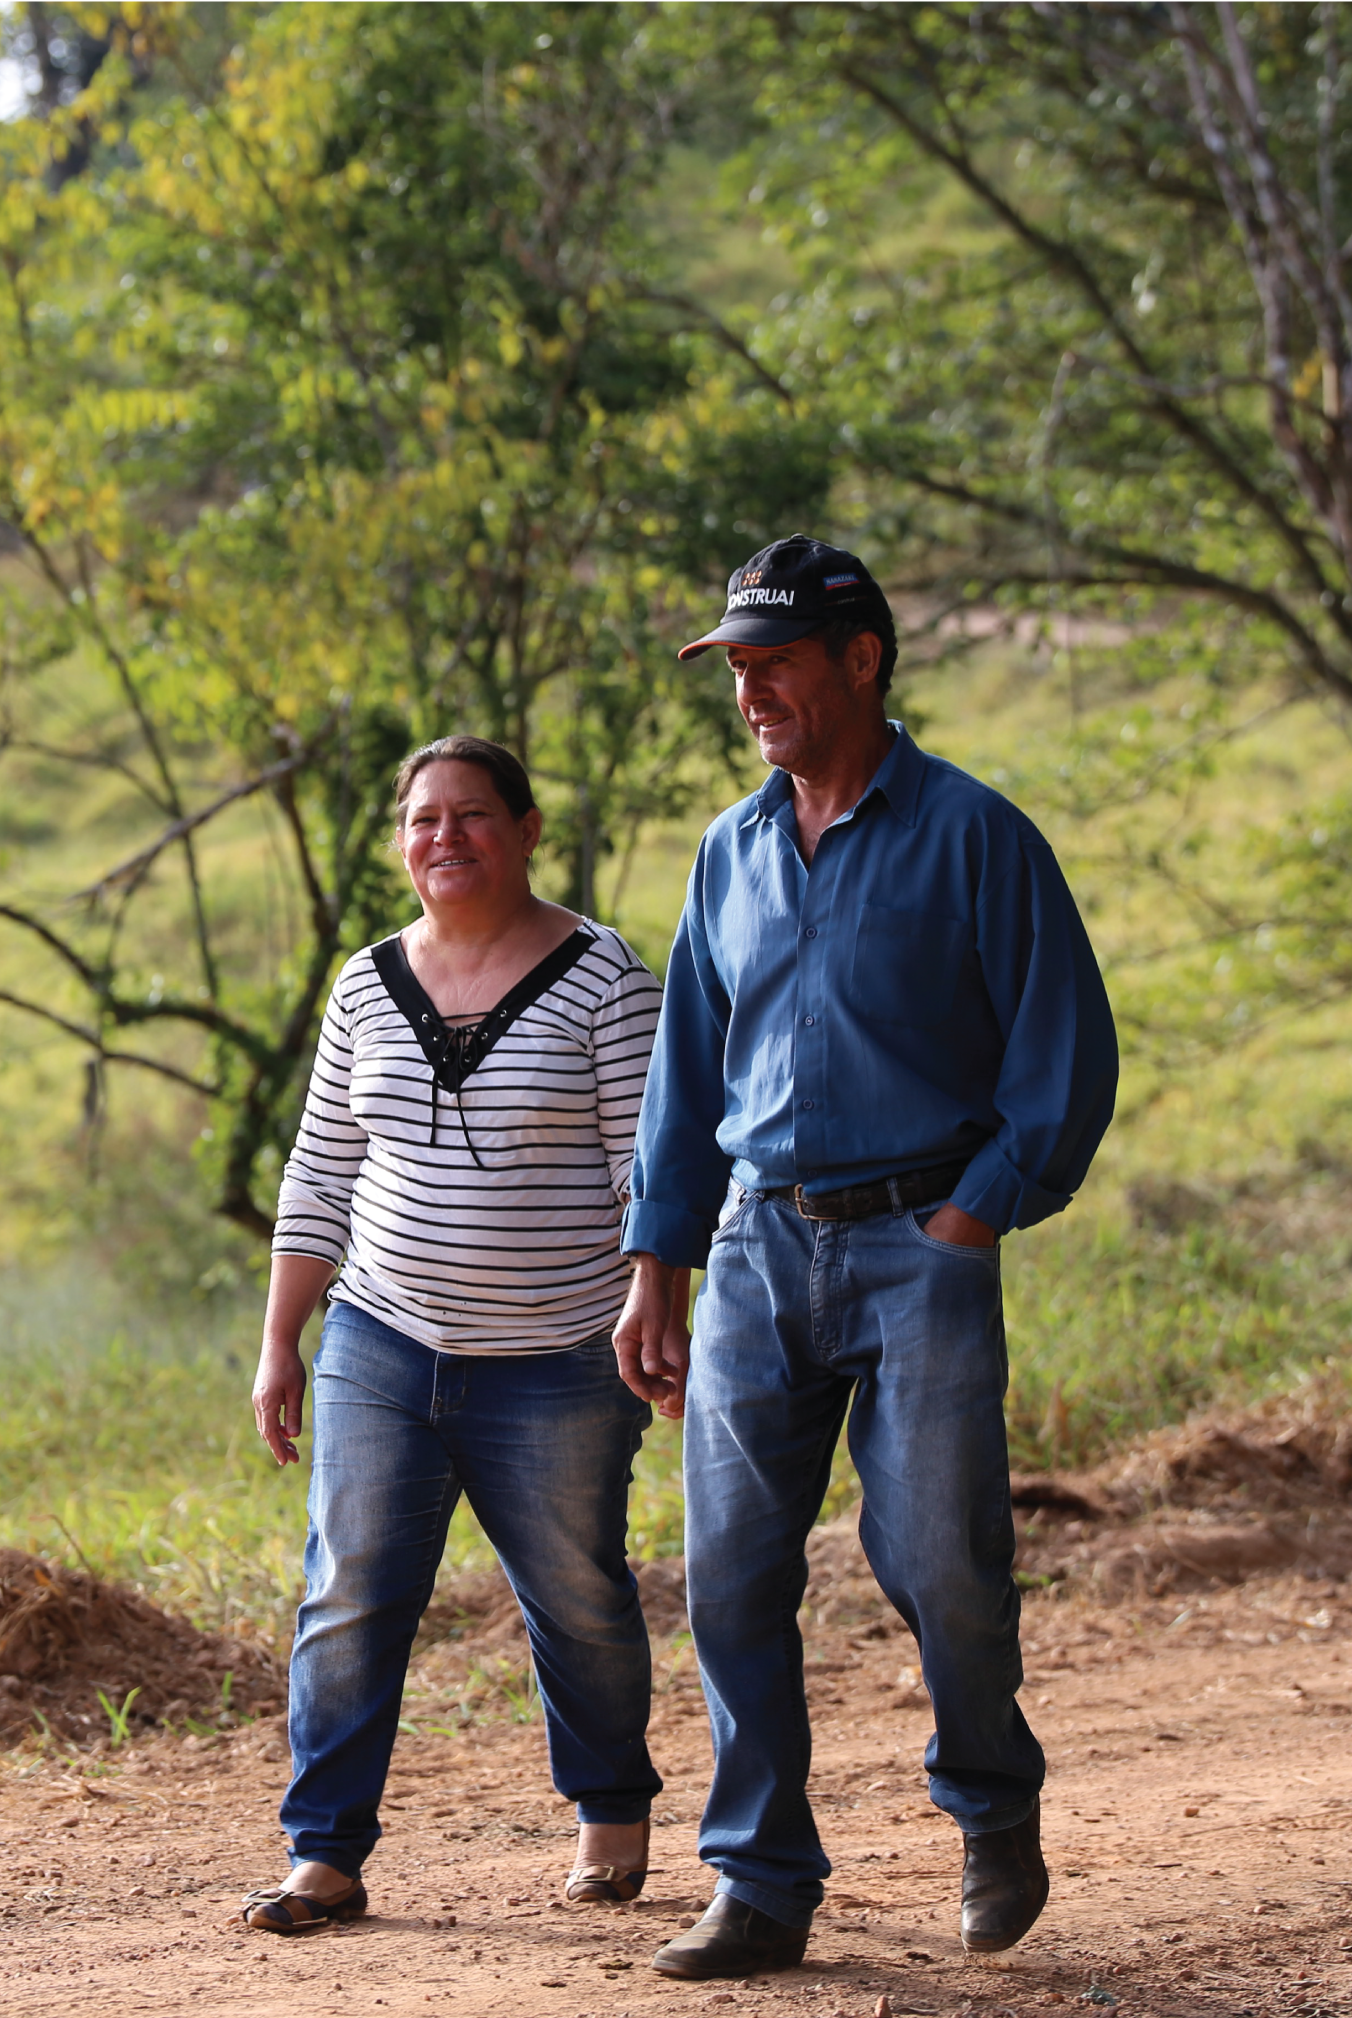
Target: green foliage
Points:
(387, 406)
(1115, 354)
(368, 420)
(1071, 306)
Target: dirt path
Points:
(1196, 1819)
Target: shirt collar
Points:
(898, 778)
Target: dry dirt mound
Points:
(1210, 1503)
(65, 1636)
(1213, 1501)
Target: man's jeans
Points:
(541, 1445)
(793, 1319)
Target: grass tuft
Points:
(127, 1444)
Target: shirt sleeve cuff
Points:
(675, 1236)
(999, 1195)
(315, 1246)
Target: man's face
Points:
(799, 704)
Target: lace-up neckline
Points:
(455, 1046)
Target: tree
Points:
(371, 420)
(1078, 305)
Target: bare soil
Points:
(67, 1638)
(1196, 1711)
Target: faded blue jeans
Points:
(796, 1324)
(541, 1445)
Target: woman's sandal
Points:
(274, 1910)
(605, 1884)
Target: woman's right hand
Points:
(278, 1397)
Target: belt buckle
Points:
(801, 1203)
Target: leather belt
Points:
(888, 1194)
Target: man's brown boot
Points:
(731, 1940)
(1004, 1885)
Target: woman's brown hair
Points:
(509, 777)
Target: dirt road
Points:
(1197, 1820)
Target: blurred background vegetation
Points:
(373, 371)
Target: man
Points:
(884, 1043)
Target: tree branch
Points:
(111, 1057)
(89, 615)
(1066, 259)
(92, 979)
(1132, 566)
(323, 909)
(118, 659)
(718, 329)
(135, 866)
(96, 760)
(122, 1011)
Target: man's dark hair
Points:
(841, 630)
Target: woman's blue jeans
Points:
(541, 1444)
(795, 1320)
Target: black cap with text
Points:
(790, 589)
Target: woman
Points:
(464, 1153)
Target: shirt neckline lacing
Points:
(455, 1050)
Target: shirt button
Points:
(809, 1103)
(809, 1019)
(811, 932)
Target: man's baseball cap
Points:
(790, 588)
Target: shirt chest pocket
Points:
(906, 966)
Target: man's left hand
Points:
(951, 1223)
(652, 1342)
(675, 1363)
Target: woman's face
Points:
(459, 842)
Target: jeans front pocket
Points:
(907, 965)
(734, 1209)
(989, 1254)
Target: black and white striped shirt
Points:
(523, 1254)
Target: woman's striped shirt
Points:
(522, 1255)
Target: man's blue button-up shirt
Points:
(924, 992)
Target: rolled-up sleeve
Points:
(680, 1174)
(1058, 1076)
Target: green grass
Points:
(127, 1443)
(1115, 1329)
(129, 1316)
(127, 1447)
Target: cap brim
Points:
(752, 630)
